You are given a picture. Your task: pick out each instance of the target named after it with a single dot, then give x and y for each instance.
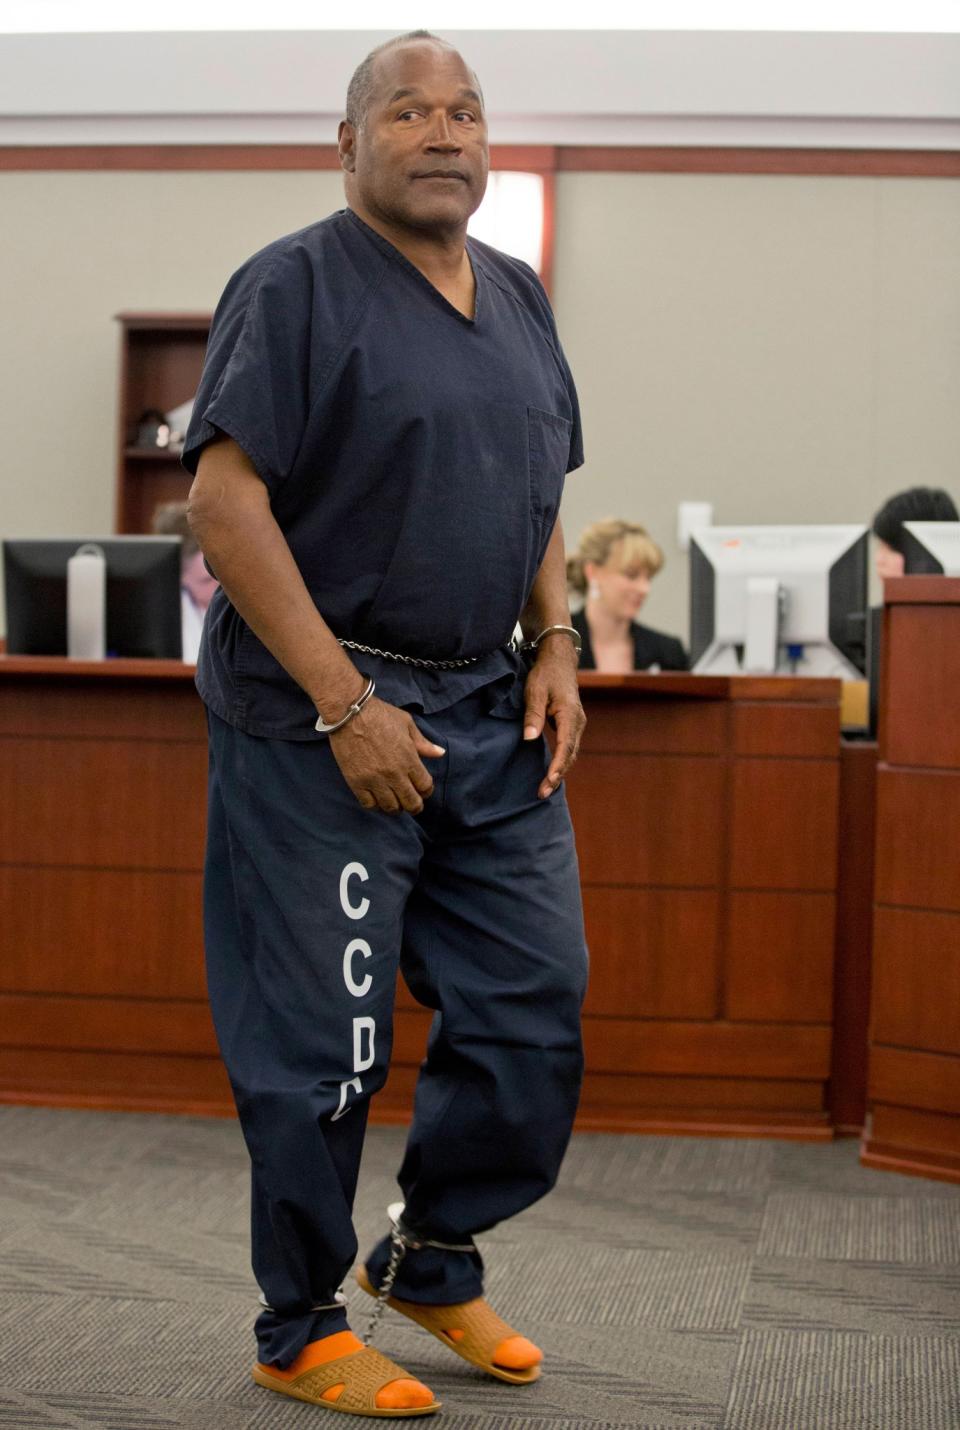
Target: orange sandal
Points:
(473, 1330)
(350, 1383)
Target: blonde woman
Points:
(613, 567)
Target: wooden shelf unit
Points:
(161, 358)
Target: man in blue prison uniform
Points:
(379, 444)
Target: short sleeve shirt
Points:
(415, 459)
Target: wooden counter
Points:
(914, 1079)
(706, 818)
(706, 814)
(102, 992)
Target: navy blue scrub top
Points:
(415, 459)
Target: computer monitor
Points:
(931, 548)
(785, 600)
(143, 594)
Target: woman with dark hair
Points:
(916, 504)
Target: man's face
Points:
(420, 160)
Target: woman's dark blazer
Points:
(649, 647)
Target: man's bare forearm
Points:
(551, 687)
(549, 604)
(229, 513)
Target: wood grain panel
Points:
(920, 714)
(784, 824)
(853, 935)
(98, 709)
(128, 1025)
(692, 1122)
(410, 1029)
(680, 727)
(779, 958)
(640, 819)
(653, 952)
(146, 1081)
(677, 1049)
(631, 1091)
(570, 158)
(941, 1168)
(681, 685)
(123, 671)
(531, 158)
(916, 980)
(918, 1132)
(102, 803)
(792, 730)
(929, 1081)
(918, 836)
(691, 1105)
(750, 1050)
(54, 932)
(922, 590)
(914, 1087)
(684, 159)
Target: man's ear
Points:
(347, 146)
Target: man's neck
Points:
(440, 256)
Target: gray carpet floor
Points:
(673, 1282)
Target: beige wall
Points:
(787, 348)
(77, 248)
(784, 347)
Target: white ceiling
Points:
(80, 16)
(541, 86)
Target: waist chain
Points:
(417, 660)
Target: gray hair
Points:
(360, 88)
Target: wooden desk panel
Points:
(923, 1079)
(796, 731)
(853, 936)
(658, 950)
(633, 1045)
(916, 980)
(103, 1078)
(102, 990)
(921, 724)
(914, 1080)
(784, 824)
(918, 837)
(647, 820)
(103, 804)
(38, 706)
(136, 1026)
(779, 966)
(656, 727)
(696, 1019)
(751, 815)
(125, 932)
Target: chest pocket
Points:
(549, 437)
(549, 453)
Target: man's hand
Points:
(551, 693)
(379, 754)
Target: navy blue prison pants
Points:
(311, 902)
